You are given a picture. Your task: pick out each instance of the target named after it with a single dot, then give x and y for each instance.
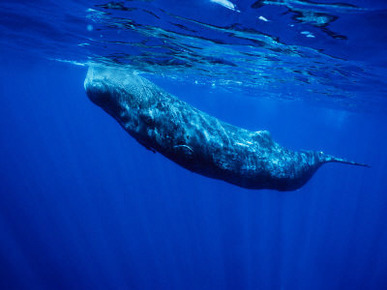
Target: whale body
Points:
(198, 141)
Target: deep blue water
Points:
(84, 206)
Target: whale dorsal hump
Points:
(261, 134)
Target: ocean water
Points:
(84, 206)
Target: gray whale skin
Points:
(197, 141)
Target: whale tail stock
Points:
(329, 158)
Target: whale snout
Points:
(95, 86)
(100, 91)
(97, 91)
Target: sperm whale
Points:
(198, 141)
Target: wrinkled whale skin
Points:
(195, 140)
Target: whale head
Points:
(116, 88)
(98, 89)
(105, 85)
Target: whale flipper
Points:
(146, 146)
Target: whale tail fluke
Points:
(330, 158)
